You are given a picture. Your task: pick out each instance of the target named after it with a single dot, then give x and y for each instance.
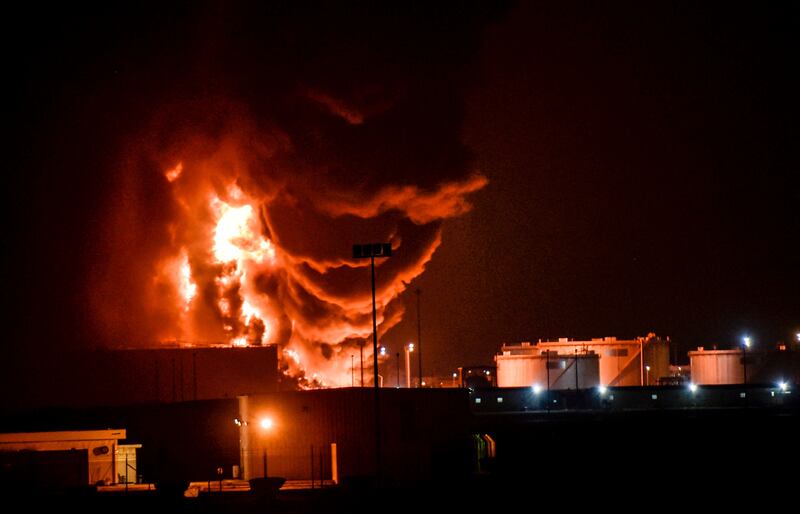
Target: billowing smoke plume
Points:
(234, 209)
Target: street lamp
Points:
(362, 252)
(745, 346)
(419, 339)
(266, 425)
(383, 353)
(647, 368)
(409, 350)
(370, 251)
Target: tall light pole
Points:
(547, 368)
(352, 371)
(576, 368)
(641, 361)
(409, 350)
(383, 353)
(419, 338)
(746, 344)
(647, 368)
(398, 370)
(362, 252)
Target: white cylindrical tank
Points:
(717, 366)
(565, 371)
(520, 371)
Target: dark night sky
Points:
(642, 178)
(641, 162)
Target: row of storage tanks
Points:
(608, 361)
(570, 364)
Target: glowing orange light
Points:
(188, 288)
(173, 174)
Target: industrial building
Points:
(330, 434)
(567, 363)
(476, 377)
(70, 458)
(323, 434)
(163, 374)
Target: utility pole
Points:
(547, 366)
(362, 252)
(419, 336)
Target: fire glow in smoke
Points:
(231, 218)
(223, 266)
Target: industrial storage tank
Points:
(621, 362)
(562, 371)
(519, 370)
(717, 366)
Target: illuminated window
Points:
(477, 400)
(500, 399)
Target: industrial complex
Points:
(571, 364)
(196, 414)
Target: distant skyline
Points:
(630, 168)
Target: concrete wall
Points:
(424, 433)
(124, 377)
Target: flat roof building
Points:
(70, 458)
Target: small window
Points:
(500, 399)
(477, 400)
(654, 396)
(742, 395)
